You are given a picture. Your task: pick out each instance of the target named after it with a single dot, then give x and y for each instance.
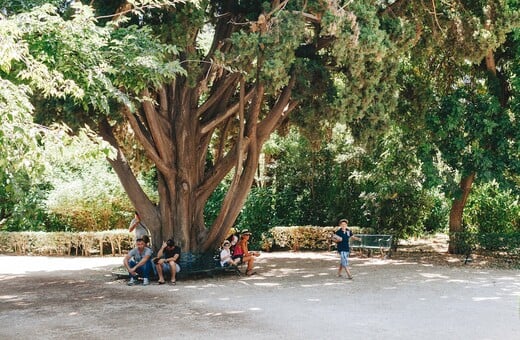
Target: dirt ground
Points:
(419, 293)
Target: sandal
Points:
(161, 282)
(173, 283)
(250, 272)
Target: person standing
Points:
(344, 247)
(137, 226)
(138, 262)
(167, 261)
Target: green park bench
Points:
(371, 242)
(192, 264)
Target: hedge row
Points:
(303, 237)
(112, 242)
(116, 242)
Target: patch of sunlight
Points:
(212, 314)
(224, 299)
(314, 300)
(308, 275)
(255, 309)
(266, 284)
(8, 297)
(434, 276)
(235, 312)
(333, 283)
(402, 263)
(478, 299)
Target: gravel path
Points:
(294, 296)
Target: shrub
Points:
(492, 210)
(303, 237)
(113, 242)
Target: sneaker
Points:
(146, 282)
(131, 282)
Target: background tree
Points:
(462, 98)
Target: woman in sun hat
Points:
(242, 251)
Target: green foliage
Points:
(492, 209)
(470, 241)
(303, 237)
(86, 194)
(437, 220)
(258, 214)
(81, 60)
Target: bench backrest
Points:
(372, 241)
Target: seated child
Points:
(225, 255)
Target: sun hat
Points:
(245, 232)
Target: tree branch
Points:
(216, 96)
(149, 148)
(209, 126)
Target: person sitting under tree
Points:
(138, 262)
(242, 252)
(167, 261)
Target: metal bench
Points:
(371, 242)
(203, 264)
(192, 264)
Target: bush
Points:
(492, 210)
(66, 243)
(467, 242)
(303, 237)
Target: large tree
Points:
(266, 65)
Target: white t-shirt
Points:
(140, 229)
(225, 256)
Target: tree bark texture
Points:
(457, 209)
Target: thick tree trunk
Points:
(457, 209)
(146, 208)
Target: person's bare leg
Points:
(340, 268)
(173, 269)
(160, 272)
(250, 260)
(348, 273)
